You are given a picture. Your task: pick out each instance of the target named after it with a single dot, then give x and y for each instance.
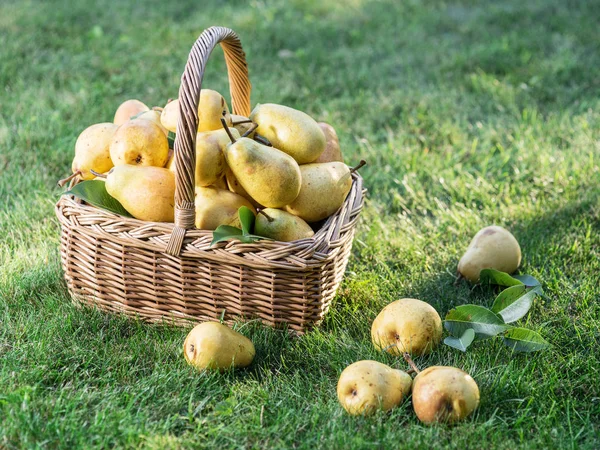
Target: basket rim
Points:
(154, 236)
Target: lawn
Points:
(468, 113)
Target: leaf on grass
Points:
(247, 218)
(527, 280)
(94, 193)
(493, 276)
(485, 323)
(524, 340)
(514, 302)
(463, 342)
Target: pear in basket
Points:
(234, 186)
(92, 150)
(127, 110)
(211, 108)
(216, 207)
(269, 176)
(210, 162)
(281, 226)
(211, 345)
(139, 142)
(325, 187)
(154, 116)
(332, 150)
(147, 193)
(243, 125)
(290, 130)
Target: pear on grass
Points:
(216, 207)
(269, 176)
(211, 345)
(211, 108)
(147, 193)
(444, 394)
(407, 325)
(289, 130)
(92, 150)
(366, 386)
(139, 142)
(492, 247)
(325, 186)
(332, 150)
(281, 225)
(127, 110)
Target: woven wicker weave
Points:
(165, 271)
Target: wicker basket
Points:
(170, 272)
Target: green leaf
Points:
(485, 323)
(94, 193)
(493, 276)
(524, 340)
(463, 342)
(514, 302)
(225, 233)
(171, 139)
(247, 218)
(527, 280)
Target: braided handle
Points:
(189, 96)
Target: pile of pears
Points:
(279, 162)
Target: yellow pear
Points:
(290, 130)
(492, 248)
(325, 186)
(139, 142)
(268, 175)
(92, 150)
(154, 116)
(366, 386)
(211, 345)
(281, 226)
(127, 110)
(211, 108)
(221, 183)
(216, 207)
(147, 193)
(444, 394)
(407, 325)
(234, 186)
(332, 150)
(243, 125)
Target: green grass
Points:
(469, 113)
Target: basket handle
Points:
(189, 96)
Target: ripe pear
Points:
(290, 130)
(216, 207)
(210, 161)
(243, 125)
(127, 110)
(92, 150)
(444, 394)
(332, 150)
(366, 386)
(139, 142)
(211, 345)
(407, 325)
(234, 186)
(211, 108)
(147, 193)
(325, 186)
(268, 175)
(281, 226)
(492, 248)
(153, 116)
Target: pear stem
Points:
(64, 181)
(99, 175)
(239, 122)
(269, 218)
(358, 166)
(411, 363)
(227, 130)
(263, 140)
(250, 130)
